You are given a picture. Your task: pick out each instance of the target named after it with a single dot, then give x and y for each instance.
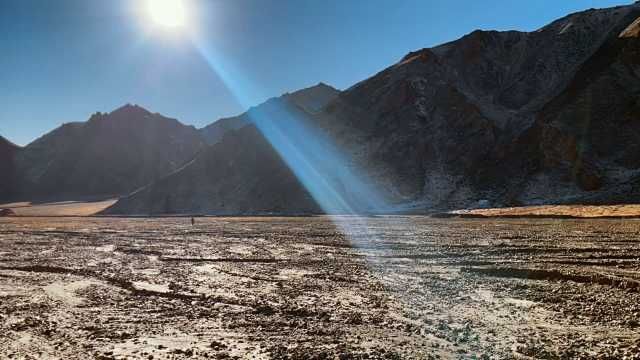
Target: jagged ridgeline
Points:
(108, 155)
(493, 118)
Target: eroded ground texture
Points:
(299, 288)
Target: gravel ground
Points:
(298, 288)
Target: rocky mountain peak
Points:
(108, 155)
(312, 99)
(130, 111)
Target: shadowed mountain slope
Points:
(224, 180)
(240, 174)
(8, 152)
(110, 154)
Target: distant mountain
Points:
(494, 118)
(312, 99)
(110, 154)
(8, 152)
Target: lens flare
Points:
(332, 179)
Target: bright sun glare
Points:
(167, 13)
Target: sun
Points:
(167, 13)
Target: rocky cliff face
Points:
(469, 120)
(8, 152)
(504, 116)
(590, 133)
(494, 118)
(110, 154)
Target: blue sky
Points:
(62, 60)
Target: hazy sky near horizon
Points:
(62, 60)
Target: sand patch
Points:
(106, 248)
(143, 285)
(66, 292)
(68, 208)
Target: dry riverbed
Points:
(299, 288)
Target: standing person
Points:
(193, 221)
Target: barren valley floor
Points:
(276, 288)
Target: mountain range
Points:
(491, 119)
(108, 155)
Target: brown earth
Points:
(578, 211)
(297, 288)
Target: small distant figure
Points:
(193, 221)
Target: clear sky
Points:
(62, 60)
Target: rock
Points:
(6, 212)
